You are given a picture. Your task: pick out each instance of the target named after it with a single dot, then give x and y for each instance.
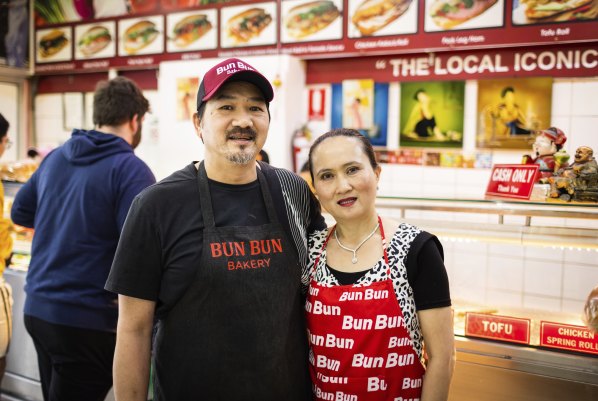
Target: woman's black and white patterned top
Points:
(397, 251)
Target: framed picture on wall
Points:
(186, 88)
(431, 114)
(358, 104)
(344, 104)
(510, 110)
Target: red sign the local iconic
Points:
(493, 327)
(580, 60)
(568, 337)
(512, 180)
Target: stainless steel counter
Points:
(491, 371)
(22, 376)
(21, 380)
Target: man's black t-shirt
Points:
(161, 244)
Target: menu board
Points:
(72, 35)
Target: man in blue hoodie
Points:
(77, 202)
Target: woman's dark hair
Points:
(366, 146)
(417, 92)
(116, 101)
(507, 90)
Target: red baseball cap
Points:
(229, 70)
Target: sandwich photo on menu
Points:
(308, 18)
(94, 40)
(51, 43)
(442, 15)
(548, 11)
(247, 25)
(139, 36)
(372, 15)
(189, 29)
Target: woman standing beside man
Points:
(376, 288)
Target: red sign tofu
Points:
(493, 327)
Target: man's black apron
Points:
(238, 332)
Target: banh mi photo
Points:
(248, 24)
(52, 42)
(547, 9)
(309, 18)
(139, 35)
(190, 29)
(93, 40)
(450, 13)
(373, 15)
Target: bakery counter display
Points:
(520, 273)
(566, 225)
(22, 236)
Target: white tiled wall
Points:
(542, 278)
(49, 123)
(9, 108)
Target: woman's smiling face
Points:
(344, 178)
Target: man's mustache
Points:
(242, 131)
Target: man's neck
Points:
(121, 131)
(231, 173)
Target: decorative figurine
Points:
(579, 181)
(561, 158)
(591, 310)
(548, 142)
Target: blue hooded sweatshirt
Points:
(77, 202)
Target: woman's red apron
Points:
(360, 349)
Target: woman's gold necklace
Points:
(346, 248)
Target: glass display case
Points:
(519, 273)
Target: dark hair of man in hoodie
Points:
(117, 101)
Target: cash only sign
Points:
(512, 180)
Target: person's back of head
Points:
(117, 101)
(263, 156)
(3, 126)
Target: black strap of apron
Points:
(206, 200)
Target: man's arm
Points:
(24, 205)
(133, 344)
(437, 328)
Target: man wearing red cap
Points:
(547, 143)
(213, 254)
